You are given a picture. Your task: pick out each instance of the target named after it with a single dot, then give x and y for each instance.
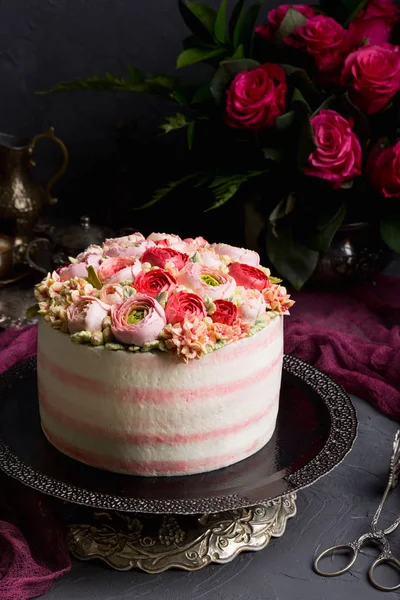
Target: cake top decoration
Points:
(184, 296)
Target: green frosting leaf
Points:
(210, 280)
(32, 311)
(195, 258)
(114, 347)
(81, 337)
(92, 277)
(162, 298)
(275, 279)
(135, 316)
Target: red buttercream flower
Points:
(226, 312)
(155, 282)
(184, 305)
(249, 277)
(159, 257)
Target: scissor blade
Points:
(394, 471)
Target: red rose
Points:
(372, 74)
(383, 170)
(159, 256)
(327, 42)
(155, 282)
(256, 98)
(337, 157)
(249, 277)
(184, 305)
(375, 23)
(226, 312)
(276, 16)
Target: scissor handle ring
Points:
(391, 560)
(333, 549)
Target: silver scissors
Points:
(375, 535)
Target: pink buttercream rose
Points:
(207, 281)
(138, 320)
(125, 240)
(251, 305)
(276, 16)
(383, 170)
(115, 270)
(79, 269)
(256, 98)
(248, 276)
(372, 75)
(249, 257)
(209, 258)
(326, 41)
(160, 256)
(338, 155)
(190, 245)
(154, 282)
(185, 305)
(136, 250)
(375, 23)
(92, 250)
(112, 293)
(166, 238)
(86, 314)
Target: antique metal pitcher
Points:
(21, 197)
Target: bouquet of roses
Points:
(301, 113)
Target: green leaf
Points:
(327, 226)
(195, 24)
(160, 193)
(93, 278)
(282, 210)
(306, 142)
(237, 10)
(196, 55)
(354, 7)
(220, 23)
(294, 261)
(239, 52)
(275, 154)
(298, 97)
(390, 231)
(292, 21)
(330, 103)
(202, 94)
(176, 122)
(285, 122)
(244, 30)
(300, 79)
(135, 75)
(226, 72)
(32, 311)
(190, 134)
(204, 13)
(224, 187)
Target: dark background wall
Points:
(116, 153)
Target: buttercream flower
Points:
(248, 276)
(159, 256)
(77, 269)
(169, 238)
(277, 299)
(125, 240)
(207, 281)
(372, 75)
(276, 16)
(248, 257)
(92, 250)
(375, 23)
(251, 305)
(188, 339)
(208, 257)
(225, 312)
(133, 250)
(138, 320)
(114, 270)
(383, 170)
(256, 98)
(338, 155)
(326, 41)
(112, 293)
(190, 245)
(86, 314)
(155, 282)
(184, 305)
(228, 333)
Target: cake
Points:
(160, 356)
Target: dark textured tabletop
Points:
(336, 509)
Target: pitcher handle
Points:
(51, 136)
(29, 247)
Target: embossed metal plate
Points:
(316, 428)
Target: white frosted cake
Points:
(160, 356)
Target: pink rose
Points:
(326, 41)
(256, 98)
(138, 320)
(249, 257)
(155, 282)
(112, 293)
(206, 281)
(375, 23)
(372, 74)
(159, 257)
(135, 250)
(75, 270)
(92, 250)
(252, 306)
(185, 305)
(338, 156)
(383, 170)
(249, 277)
(114, 270)
(126, 240)
(276, 16)
(190, 245)
(209, 258)
(86, 314)
(166, 238)
(225, 312)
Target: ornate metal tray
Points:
(316, 428)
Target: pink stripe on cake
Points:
(164, 467)
(155, 395)
(142, 439)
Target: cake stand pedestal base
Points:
(155, 543)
